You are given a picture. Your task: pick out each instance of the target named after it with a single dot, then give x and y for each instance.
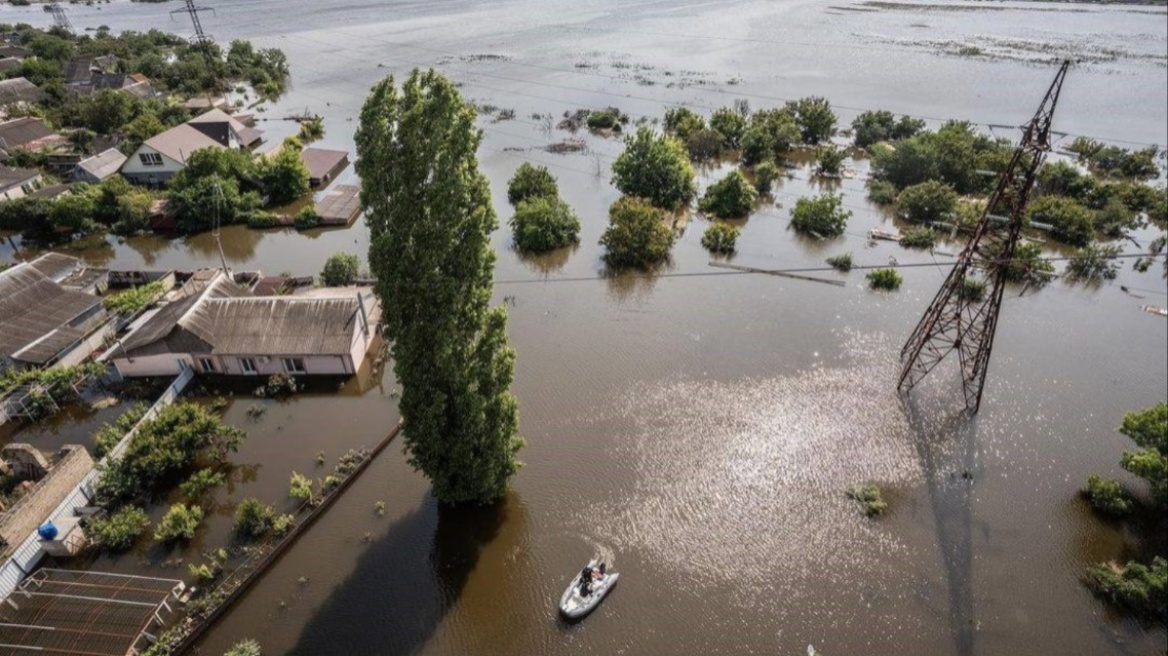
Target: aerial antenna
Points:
(60, 19)
(201, 39)
(219, 200)
(963, 317)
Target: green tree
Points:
(72, 212)
(637, 236)
(430, 217)
(881, 192)
(1149, 430)
(887, 279)
(200, 483)
(656, 168)
(1070, 222)
(765, 175)
(544, 223)
(143, 127)
(284, 176)
(681, 123)
(704, 144)
(118, 531)
(823, 215)
(1107, 496)
(730, 124)
(875, 126)
(814, 117)
(530, 181)
(106, 110)
(928, 201)
(1115, 219)
(830, 159)
(179, 523)
(770, 134)
(244, 648)
(720, 238)
(253, 518)
(339, 270)
(1136, 588)
(730, 197)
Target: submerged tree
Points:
(430, 217)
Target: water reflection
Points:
(416, 574)
(548, 263)
(149, 246)
(239, 244)
(633, 284)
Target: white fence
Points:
(30, 552)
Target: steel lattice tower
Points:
(964, 321)
(60, 19)
(201, 39)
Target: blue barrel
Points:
(47, 531)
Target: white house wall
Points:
(139, 172)
(151, 365)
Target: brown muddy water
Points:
(700, 430)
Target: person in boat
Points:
(585, 581)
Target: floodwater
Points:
(700, 430)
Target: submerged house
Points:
(216, 326)
(165, 154)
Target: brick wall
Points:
(32, 509)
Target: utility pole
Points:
(201, 39)
(60, 19)
(960, 319)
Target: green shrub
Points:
(1027, 265)
(179, 523)
(1136, 588)
(887, 279)
(881, 192)
(253, 518)
(544, 223)
(682, 123)
(339, 270)
(875, 126)
(830, 159)
(870, 500)
(311, 130)
(637, 235)
(928, 201)
(300, 487)
(973, 289)
(118, 531)
(204, 573)
(609, 118)
(1149, 430)
(704, 144)
(1115, 219)
(108, 436)
(919, 237)
(132, 300)
(823, 215)
(730, 197)
(1094, 262)
(729, 123)
(769, 135)
(244, 648)
(261, 220)
(1070, 222)
(720, 238)
(531, 182)
(765, 175)
(656, 168)
(307, 218)
(814, 117)
(842, 262)
(201, 482)
(1107, 496)
(281, 524)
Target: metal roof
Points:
(281, 325)
(10, 177)
(90, 613)
(36, 313)
(180, 141)
(103, 165)
(21, 131)
(202, 286)
(56, 265)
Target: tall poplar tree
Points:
(430, 217)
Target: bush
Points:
(300, 487)
(841, 262)
(730, 197)
(531, 182)
(284, 176)
(814, 117)
(1149, 430)
(928, 201)
(704, 144)
(1115, 219)
(108, 436)
(544, 223)
(201, 482)
(765, 175)
(720, 238)
(769, 135)
(132, 300)
(244, 648)
(637, 235)
(253, 518)
(1107, 496)
(1070, 222)
(1119, 162)
(261, 220)
(179, 523)
(609, 118)
(953, 155)
(311, 130)
(655, 168)
(887, 279)
(1137, 589)
(282, 524)
(822, 215)
(830, 159)
(730, 124)
(920, 237)
(1094, 262)
(118, 531)
(881, 192)
(340, 270)
(682, 123)
(870, 500)
(1062, 178)
(307, 218)
(973, 289)
(871, 127)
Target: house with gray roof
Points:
(17, 183)
(29, 134)
(162, 156)
(18, 90)
(100, 166)
(215, 326)
(43, 321)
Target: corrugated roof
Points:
(15, 177)
(21, 131)
(321, 162)
(18, 89)
(103, 165)
(175, 314)
(280, 325)
(56, 266)
(33, 307)
(180, 141)
(247, 136)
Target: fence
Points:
(30, 552)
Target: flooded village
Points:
(669, 269)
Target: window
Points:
(150, 159)
(294, 366)
(206, 365)
(248, 365)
